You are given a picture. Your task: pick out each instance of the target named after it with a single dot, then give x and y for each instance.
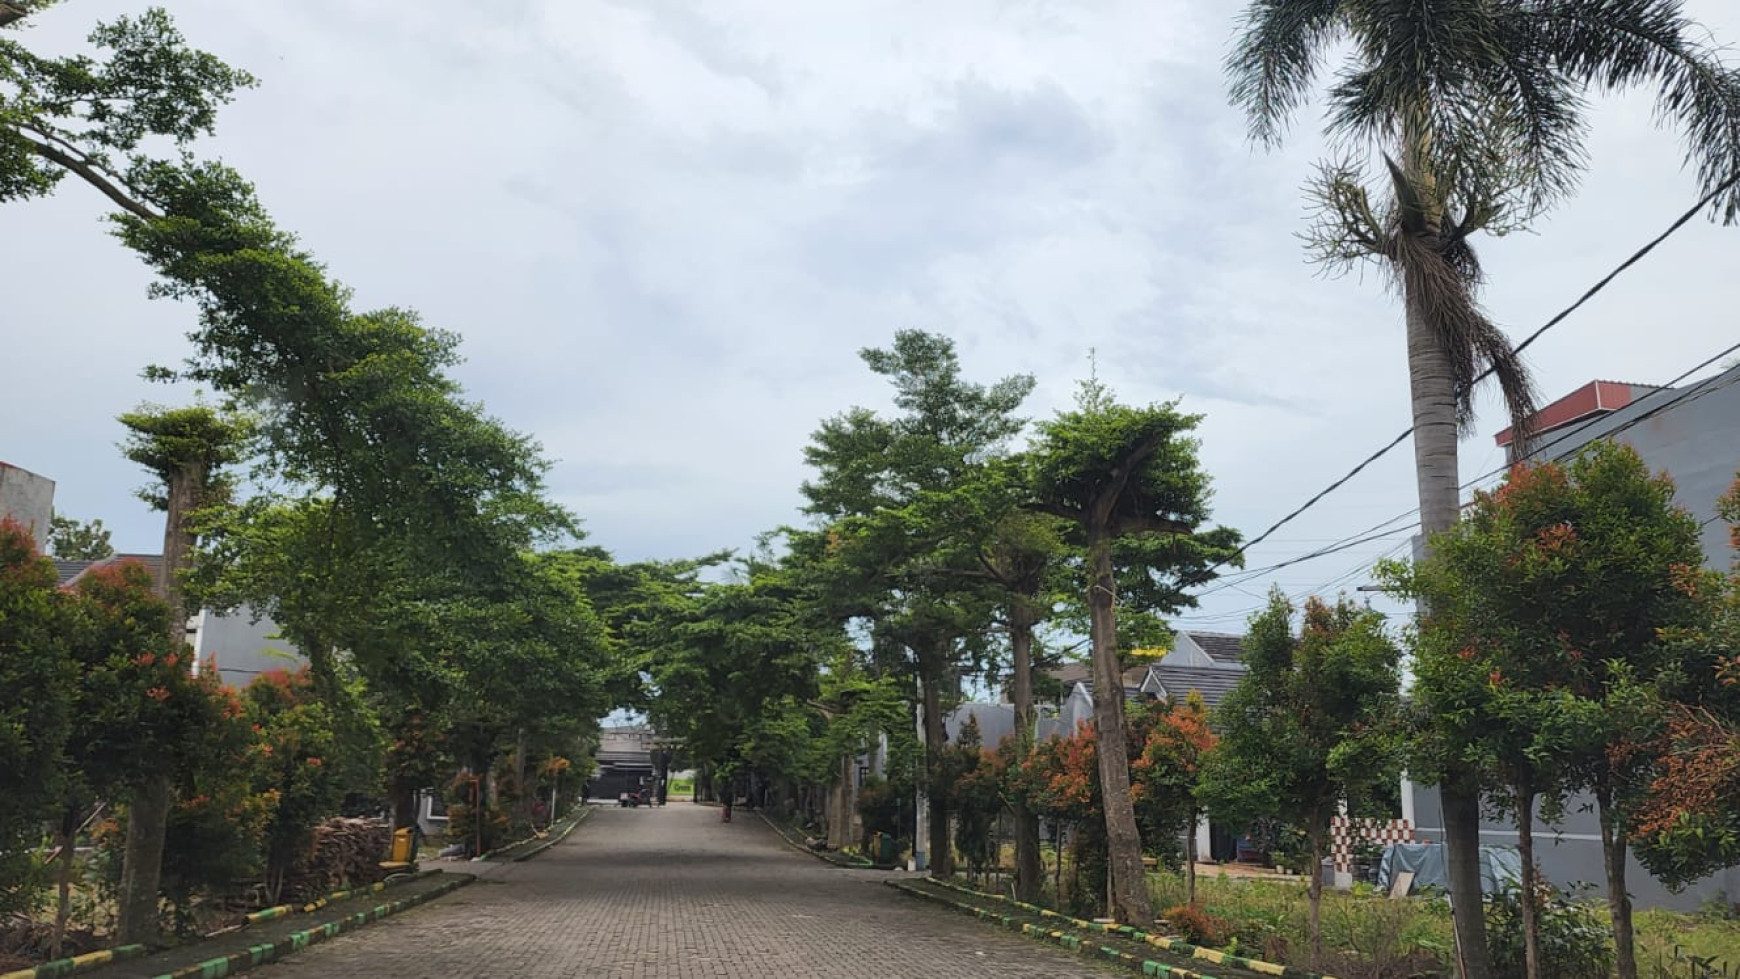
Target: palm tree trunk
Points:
(1435, 469)
(1027, 868)
(1129, 885)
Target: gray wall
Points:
(1696, 440)
(28, 499)
(244, 648)
(1569, 854)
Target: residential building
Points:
(28, 499)
(628, 761)
(241, 643)
(1206, 663)
(1693, 434)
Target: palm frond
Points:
(1613, 44)
(1345, 229)
(1436, 287)
(1276, 58)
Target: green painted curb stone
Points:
(77, 963)
(1169, 944)
(237, 962)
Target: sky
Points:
(664, 228)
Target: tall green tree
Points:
(1024, 554)
(74, 540)
(1490, 671)
(1117, 472)
(1482, 108)
(97, 118)
(186, 450)
(1313, 723)
(1571, 581)
(884, 485)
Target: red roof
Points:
(1594, 398)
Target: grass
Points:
(1367, 934)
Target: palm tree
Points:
(1483, 105)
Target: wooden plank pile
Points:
(346, 852)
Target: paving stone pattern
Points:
(672, 894)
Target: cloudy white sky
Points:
(664, 227)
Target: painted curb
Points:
(857, 862)
(1172, 945)
(505, 847)
(77, 963)
(90, 960)
(283, 910)
(573, 825)
(1148, 967)
(237, 962)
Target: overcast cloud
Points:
(664, 227)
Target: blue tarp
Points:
(1500, 866)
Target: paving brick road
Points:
(672, 894)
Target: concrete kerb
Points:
(502, 850)
(77, 963)
(846, 860)
(573, 824)
(238, 962)
(268, 914)
(1172, 945)
(1148, 967)
(91, 960)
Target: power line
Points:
(1588, 294)
(1377, 531)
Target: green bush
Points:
(1574, 938)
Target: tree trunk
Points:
(1462, 872)
(142, 863)
(1438, 479)
(1190, 861)
(404, 805)
(1129, 885)
(1525, 844)
(941, 854)
(1613, 851)
(148, 817)
(523, 804)
(65, 834)
(1028, 872)
(1314, 890)
(840, 826)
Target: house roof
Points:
(1220, 646)
(1070, 674)
(69, 572)
(1594, 398)
(66, 572)
(1211, 682)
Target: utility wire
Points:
(1375, 532)
(1531, 338)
